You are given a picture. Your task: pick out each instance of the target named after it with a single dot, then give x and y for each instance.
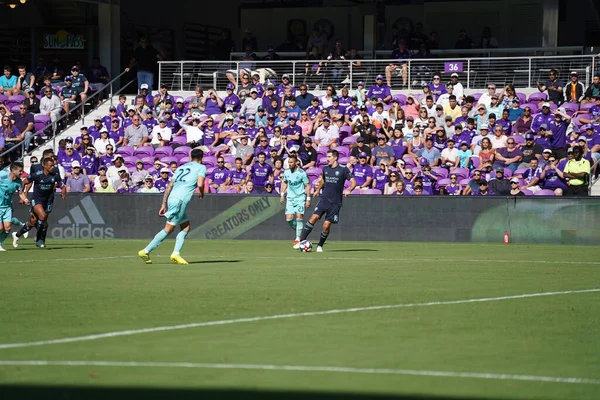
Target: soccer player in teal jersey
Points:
(10, 183)
(296, 185)
(178, 194)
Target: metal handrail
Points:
(21, 145)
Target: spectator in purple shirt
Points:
(558, 132)
(66, 159)
(90, 162)
(543, 118)
(437, 89)
(508, 157)
(232, 100)
(238, 175)
(382, 92)
(24, 123)
(107, 159)
(77, 182)
(505, 123)
(380, 176)
(363, 173)
(285, 82)
(454, 188)
(483, 189)
(552, 177)
(219, 177)
(161, 184)
(260, 173)
(213, 105)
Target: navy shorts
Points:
(331, 211)
(46, 204)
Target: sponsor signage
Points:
(82, 222)
(64, 40)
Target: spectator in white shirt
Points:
(193, 132)
(327, 135)
(450, 158)
(103, 141)
(161, 134)
(457, 88)
(499, 138)
(251, 104)
(50, 106)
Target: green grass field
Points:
(432, 343)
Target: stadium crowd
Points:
(439, 141)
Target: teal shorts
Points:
(295, 205)
(176, 212)
(6, 214)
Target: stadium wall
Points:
(363, 218)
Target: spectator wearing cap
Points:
(112, 115)
(103, 186)
(554, 87)
(558, 132)
(495, 106)
(327, 134)
(252, 103)
(128, 120)
(336, 111)
(307, 154)
(145, 93)
(219, 177)
(144, 57)
(574, 90)
(106, 160)
(292, 108)
(424, 178)
(161, 134)
(577, 171)
(500, 186)
(531, 176)
(593, 142)
(381, 176)
(148, 119)
(179, 110)
(172, 122)
(67, 158)
(508, 157)
(593, 91)
(94, 130)
(457, 87)
(380, 91)
(90, 162)
(285, 82)
(314, 110)
(292, 132)
(440, 117)
(68, 94)
(50, 106)
(382, 151)
(530, 150)
(260, 173)
(552, 177)
(231, 99)
(77, 182)
(412, 107)
(352, 110)
(163, 180)
(362, 172)
(547, 154)
(103, 141)
(430, 153)
(80, 83)
(31, 101)
(113, 171)
(162, 98)
(361, 147)
(515, 190)
(481, 117)
(148, 185)
(515, 111)
(449, 156)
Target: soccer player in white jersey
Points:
(177, 196)
(296, 185)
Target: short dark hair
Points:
(452, 97)
(196, 154)
(47, 160)
(334, 153)
(429, 97)
(262, 153)
(46, 152)
(239, 158)
(293, 156)
(15, 165)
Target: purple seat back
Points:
(209, 161)
(130, 161)
(144, 151)
(443, 183)
(528, 192)
(518, 139)
(476, 96)
(184, 160)
(350, 140)
(439, 172)
(179, 139)
(522, 97)
(41, 118)
(587, 106)
(125, 151)
(343, 150)
(163, 151)
(3, 98)
(544, 192)
(370, 191)
(461, 173)
(536, 97)
(185, 150)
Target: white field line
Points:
(415, 259)
(281, 316)
(268, 367)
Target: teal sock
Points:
(15, 221)
(160, 236)
(292, 224)
(3, 235)
(179, 240)
(299, 227)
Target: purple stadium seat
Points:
(3, 98)
(553, 106)
(229, 159)
(321, 162)
(461, 173)
(520, 171)
(17, 97)
(476, 96)
(570, 107)
(39, 126)
(228, 190)
(527, 192)
(345, 131)
(168, 160)
(185, 150)
(209, 161)
(533, 106)
(184, 160)
(313, 172)
(370, 191)
(343, 150)
(322, 151)
(408, 160)
(465, 182)
(537, 97)
(148, 162)
(439, 172)
(163, 151)
(125, 151)
(144, 151)
(518, 139)
(130, 161)
(443, 183)
(355, 191)
(209, 171)
(587, 106)
(507, 173)
(522, 97)
(350, 140)
(544, 192)
(401, 99)
(341, 160)
(179, 139)
(14, 108)
(41, 118)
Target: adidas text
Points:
(82, 232)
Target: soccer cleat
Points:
(15, 240)
(319, 249)
(40, 244)
(2, 248)
(177, 259)
(296, 244)
(145, 257)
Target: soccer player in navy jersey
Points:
(332, 180)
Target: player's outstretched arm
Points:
(351, 188)
(201, 186)
(163, 207)
(318, 185)
(283, 192)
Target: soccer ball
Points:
(305, 246)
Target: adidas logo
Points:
(83, 222)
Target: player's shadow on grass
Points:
(23, 392)
(350, 250)
(214, 261)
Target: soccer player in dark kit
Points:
(332, 180)
(45, 177)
